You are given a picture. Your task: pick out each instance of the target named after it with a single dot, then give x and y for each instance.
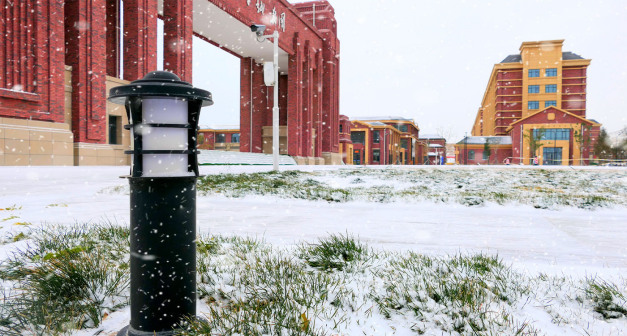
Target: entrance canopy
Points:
(218, 27)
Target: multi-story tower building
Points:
(539, 97)
(542, 75)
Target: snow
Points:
(563, 241)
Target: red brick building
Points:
(59, 58)
(385, 141)
(436, 144)
(220, 138)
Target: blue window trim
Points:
(551, 72)
(550, 88)
(533, 89)
(550, 103)
(533, 105)
(534, 73)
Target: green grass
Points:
(65, 279)
(607, 299)
(542, 189)
(71, 278)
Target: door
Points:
(552, 156)
(357, 157)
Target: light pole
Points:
(163, 114)
(272, 80)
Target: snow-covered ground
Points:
(566, 240)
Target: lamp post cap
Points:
(159, 84)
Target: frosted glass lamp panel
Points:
(166, 165)
(164, 138)
(164, 111)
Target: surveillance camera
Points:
(258, 29)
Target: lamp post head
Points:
(163, 112)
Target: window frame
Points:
(548, 103)
(552, 73)
(533, 73)
(471, 154)
(533, 89)
(532, 103)
(376, 136)
(552, 87)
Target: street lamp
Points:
(163, 113)
(271, 78)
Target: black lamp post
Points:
(163, 114)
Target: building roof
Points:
(480, 140)
(431, 136)
(516, 58)
(383, 118)
(219, 128)
(588, 121)
(435, 146)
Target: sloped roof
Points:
(516, 58)
(430, 136)
(555, 108)
(383, 118)
(480, 140)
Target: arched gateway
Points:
(60, 57)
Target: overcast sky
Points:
(431, 60)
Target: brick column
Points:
(113, 35)
(253, 106)
(140, 38)
(330, 114)
(318, 103)
(85, 42)
(295, 100)
(177, 41)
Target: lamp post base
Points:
(128, 331)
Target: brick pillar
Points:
(318, 103)
(85, 42)
(177, 41)
(113, 35)
(140, 38)
(245, 112)
(295, 101)
(48, 74)
(262, 114)
(253, 106)
(330, 114)
(307, 122)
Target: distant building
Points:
(385, 141)
(219, 138)
(436, 153)
(538, 99)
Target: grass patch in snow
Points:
(64, 279)
(606, 298)
(71, 278)
(543, 189)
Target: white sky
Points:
(431, 61)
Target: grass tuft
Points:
(333, 253)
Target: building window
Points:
(341, 128)
(534, 88)
(550, 103)
(534, 105)
(376, 137)
(485, 155)
(471, 155)
(552, 134)
(534, 72)
(220, 138)
(550, 72)
(551, 88)
(114, 130)
(401, 127)
(235, 138)
(376, 155)
(358, 137)
(404, 143)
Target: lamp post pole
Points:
(163, 113)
